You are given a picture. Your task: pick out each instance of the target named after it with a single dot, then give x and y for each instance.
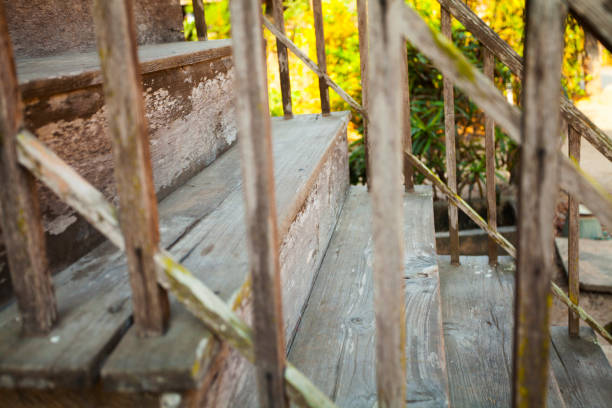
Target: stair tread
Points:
(478, 316)
(67, 71)
(94, 294)
(335, 342)
(582, 370)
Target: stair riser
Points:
(301, 254)
(191, 121)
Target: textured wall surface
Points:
(45, 27)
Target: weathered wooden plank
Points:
(449, 60)
(128, 129)
(538, 193)
(259, 196)
(385, 113)
(490, 39)
(581, 368)
(362, 29)
(449, 140)
(93, 294)
(304, 148)
(573, 323)
(317, 11)
(407, 129)
(489, 72)
(20, 215)
(283, 58)
(200, 19)
(503, 242)
(310, 64)
(477, 308)
(335, 342)
(597, 16)
(595, 263)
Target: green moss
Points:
(463, 66)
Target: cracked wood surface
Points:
(477, 308)
(334, 344)
(93, 294)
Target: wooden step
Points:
(188, 92)
(478, 316)
(335, 342)
(202, 225)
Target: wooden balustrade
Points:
(386, 122)
(127, 125)
(255, 136)
(449, 133)
(362, 29)
(200, 19)
(283, 58)
(19, 208)
(317, 10)
(597, 16)
(573, 238)
(489, 72)
(407, 129)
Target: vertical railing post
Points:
(21, 220)
(573, 255)
(362, 26)
(489, 71)
(200, 20)
(255, 140)
(317, 10)
(538, 191)
(116, 37)
(407, 129)
(385, 124)
(283, 59)
(449, 132)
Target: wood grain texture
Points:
(595, 263)
(597, 16)
(573, 323)
(489, 72)
(507, 55)
(128, 129)
(362, 29)
(200, 19)
(581, 368)
(449, 140)
(317, 11)
(407, 129)
(385, 113)
(303, 147)
(335, 342)
(477, 308)
(20, 217)
(310, 64)
(255, 135)
(283, 58)
(537, 196)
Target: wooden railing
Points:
(154, 273)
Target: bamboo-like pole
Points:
(19, 207)
(116, 36)
(407, 130)
(386, 122)
(317, 11)
(255, 134)
(538, 189)
(489, 72)
(449, 133)
(362, 27)
(573, 255)
(200, 20)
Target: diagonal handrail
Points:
(313, 66)
(451, 62)
(203, 303)
(509, 57)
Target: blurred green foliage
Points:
(427, 118)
